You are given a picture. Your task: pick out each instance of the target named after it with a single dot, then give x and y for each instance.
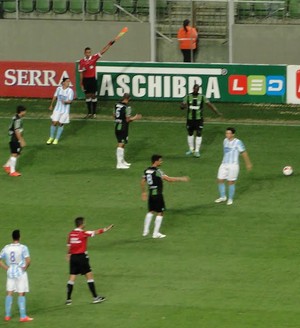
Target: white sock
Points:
(120, 155)
(13, 163)
(158, 221)
(147, 222)
(190, 140)
(198, 144)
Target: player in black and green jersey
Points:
(122, 115)
(193, 103)
(17, 142)
(153, 177)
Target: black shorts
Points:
(90, 85)
(15, 147)
(122, 136)
(194, 125)
(156, 203)
(79, 264)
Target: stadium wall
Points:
(266, 44)
(252, 44)
(64, 41)
(209, 51)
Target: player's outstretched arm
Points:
(175, 179)
(134, 118)
(214, 108)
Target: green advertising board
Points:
(171, 81)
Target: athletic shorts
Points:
(194, 125)
(58, 116)
(18, 285)
(90, 85)
(156, 203)
(122, 136)
(228, 172)
(15, 147)
(79, 264)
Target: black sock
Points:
(69, 291)
(94, 106)
(89, 107)
(92, 288)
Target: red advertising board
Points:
(298, 84)
(33, 79)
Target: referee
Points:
(79, 259)
(88, 81)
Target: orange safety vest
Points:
(187, 40)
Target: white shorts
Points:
(228, 172)
(18, 285)
(58, 116)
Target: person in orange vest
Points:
(187, 37)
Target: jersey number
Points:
(12, 257)
(149, 179)
(117, 113)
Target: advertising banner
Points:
(293, 84)
(171, 81)
(33, 79)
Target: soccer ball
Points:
(287, 170)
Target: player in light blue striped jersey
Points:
(63, 96)
(15, 259)
(229, 168)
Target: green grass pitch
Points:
(219, 267)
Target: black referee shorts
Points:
(90, 85)
(79, 264)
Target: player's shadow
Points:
(191, 210)
(257, 183)
(29, 154)
(75, 127)
(49, 309)
(214, 132)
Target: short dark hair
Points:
(231, 129)
(79, 221)
(64, 79)
(21, 109)
(87, 48)
(125, 96)
(155, 158)
(16, 235)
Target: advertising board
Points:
(33, 79)
(171, 81)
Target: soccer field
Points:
(219, 267)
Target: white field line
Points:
(106, 119)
